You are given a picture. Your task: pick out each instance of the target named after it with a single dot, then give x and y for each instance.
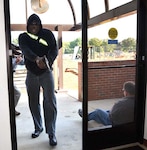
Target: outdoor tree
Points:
(76, 42)
(108, 47)
(128, 44)
(95, 42)
(69, 46)
(66, 49)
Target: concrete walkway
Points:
(69, 124)
(68, 129)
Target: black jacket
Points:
(32, 48)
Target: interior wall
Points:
(5, 138)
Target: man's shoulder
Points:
(126, 100)
(46, 30)
(22, 34)
(46, 33)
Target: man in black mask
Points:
(40, 50)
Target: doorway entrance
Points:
(110, 136)
(133, 131)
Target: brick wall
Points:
(105, 78)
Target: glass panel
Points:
(126, 28)
(96, 7)
(115, 3)
(59, 12)
(15, 7)
(109, 66)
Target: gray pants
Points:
(17, 95)
(33, 84)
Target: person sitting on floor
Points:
(121, 112)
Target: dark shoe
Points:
(53, 140)
(17, 113)
(36, 133)
(80, 112)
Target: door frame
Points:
(10, 75)
(90, 138)
(99, 139)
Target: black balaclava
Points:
(34, 18)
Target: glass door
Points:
(113, 71)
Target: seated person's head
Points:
(129, 88)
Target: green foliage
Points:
(128, 44)
(107, 47)
(15, 41)
(98, 45)
(68, 51)
(95, 42)
(101, 45)
(76, 42)
(68, 47)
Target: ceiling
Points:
(67, 13)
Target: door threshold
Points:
(132, 146)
